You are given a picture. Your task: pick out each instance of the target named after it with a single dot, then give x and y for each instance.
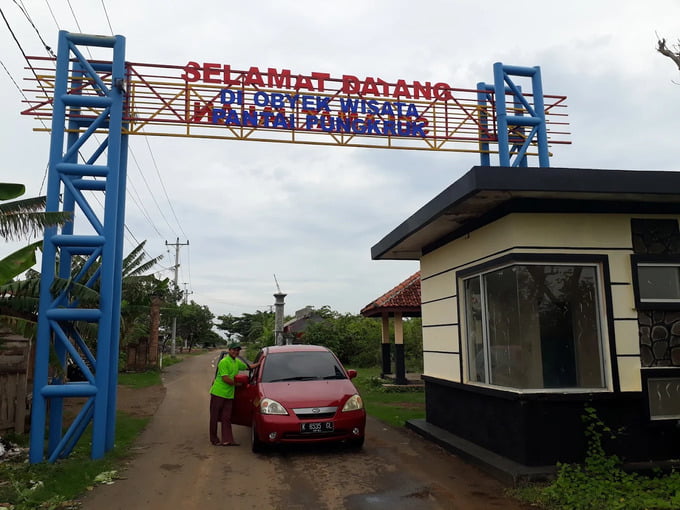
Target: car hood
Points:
(309, 393)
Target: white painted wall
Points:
(594, 234)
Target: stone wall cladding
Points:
(659, 330)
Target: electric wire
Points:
(49, 7)
(107, 17)
(131, 188)
(25, 12)
(153, 196)
(136, 199)
(165, 191)
(21, 49)
(74, 16)
(47, 47)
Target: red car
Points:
(299, 394)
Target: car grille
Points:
(315, 413)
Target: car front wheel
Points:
(256, 445)
(357, 443)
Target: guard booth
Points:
(546, 290)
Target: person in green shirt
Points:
(222, 395)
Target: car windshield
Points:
(301, 366)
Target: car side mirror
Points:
(351, 374)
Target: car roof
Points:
(294, 348)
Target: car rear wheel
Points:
(256, 445)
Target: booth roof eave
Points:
(486, 193)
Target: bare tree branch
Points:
(673, 55)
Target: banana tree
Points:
(21, 219)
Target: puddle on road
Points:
(413, 498)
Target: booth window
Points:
(535, 326)
(656, 281)
(661, 386)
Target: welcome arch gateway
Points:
(115, 98)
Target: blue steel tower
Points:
(89, 99)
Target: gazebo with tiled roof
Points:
(402, 301)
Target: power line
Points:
(132, 192)
(21, 49)
(74, 16)
(153, 197)
(31, 68)
(107, 17)
(138, 201)
(153, 159)
(49, 7)
(13, 80)
(25, 12)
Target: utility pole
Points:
(186, 292)
(176, 244)
(186, 298)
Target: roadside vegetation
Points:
(25, 486)
(600, 483)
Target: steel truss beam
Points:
(97, 252)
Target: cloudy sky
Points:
(307, 214)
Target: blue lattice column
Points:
(88, 99)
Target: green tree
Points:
(194, 323)
(256, 328)
(354, 339)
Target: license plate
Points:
(316, 427)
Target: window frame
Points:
(598, 262)
(658, 374)
(638, 260)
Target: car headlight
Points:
(269, 406)
(354, 403)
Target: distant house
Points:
(295, 327)
(545, 290)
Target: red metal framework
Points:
(162, 102)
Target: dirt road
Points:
(177, 467)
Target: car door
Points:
(245, 393)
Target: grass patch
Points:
(51, 486)
(393, 405)
(170, 360)
(140, 379)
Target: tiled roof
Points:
(404, 298)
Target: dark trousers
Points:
(220, 412)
